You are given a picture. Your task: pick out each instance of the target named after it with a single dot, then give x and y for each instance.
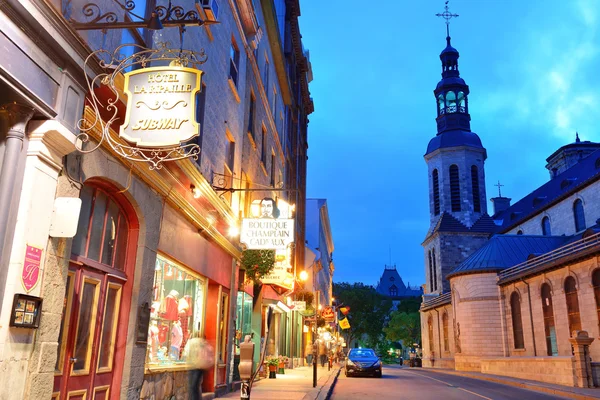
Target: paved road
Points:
(422, 384)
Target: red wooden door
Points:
(86, 357)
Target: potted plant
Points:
(283, 360)
(272, 362)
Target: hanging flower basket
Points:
(257, 263)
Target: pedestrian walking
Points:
(308, 352)
(322, 352)
(200, 355)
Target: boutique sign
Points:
(267, 234)
(272, 227)
(161, 106)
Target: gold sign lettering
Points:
(164, 123)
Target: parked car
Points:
(363, 362)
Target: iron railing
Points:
(437, 301)
(534, 264)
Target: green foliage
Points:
(257, 263)
(272, 360)
(405, 327)
(409, 305)
(368, 311)
(308, 297)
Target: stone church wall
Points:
(561, 215)
(464, 158)
(557, 370)
(436, 354)
(451, 250)
(582, 272)
(478, 319)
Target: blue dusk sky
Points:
(533, 69)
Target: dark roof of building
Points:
(454, 138)
(584, 172)
(390, 279)
(448, 223)
(575, 145)
(505, 251)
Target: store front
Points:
(190, 296)
(243, 327)
(177, 313)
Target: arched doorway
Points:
(93, 329)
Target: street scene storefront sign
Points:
(328, 313)
(161, 106)
(31, 268)
(267, 233)
(299, 305)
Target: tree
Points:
(405, 327)
(368, 310)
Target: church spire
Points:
(452, 91)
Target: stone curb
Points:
(523, 385)
(324, 392)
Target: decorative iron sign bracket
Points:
(160, 17)
(220, 183)
(160, 120)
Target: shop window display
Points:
(177, 312)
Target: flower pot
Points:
(281, 368)
(272, 371)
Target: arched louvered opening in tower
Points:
(436, 192)
(454, 188)
(475, 187)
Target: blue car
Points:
(363, 362)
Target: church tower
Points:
(455, 156)
(459, 223)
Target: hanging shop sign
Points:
(160, 117)
(328, 313)
(161, 106)
(344, 324)
(270, 229)
(267, 234)
(31, 268)
(299, 305)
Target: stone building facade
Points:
(514, 293)
(145, 236)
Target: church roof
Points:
(454, 138)
(579, 175)
(505, 251)
(448, 223)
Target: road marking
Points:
(476, 394)
(448, 384)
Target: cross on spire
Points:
(447, 15)
(499, 186)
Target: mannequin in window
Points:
(183, 307)
(176, 340)
(153, 340)
(171, 306)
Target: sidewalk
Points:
(295, 384)
(558, 390)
